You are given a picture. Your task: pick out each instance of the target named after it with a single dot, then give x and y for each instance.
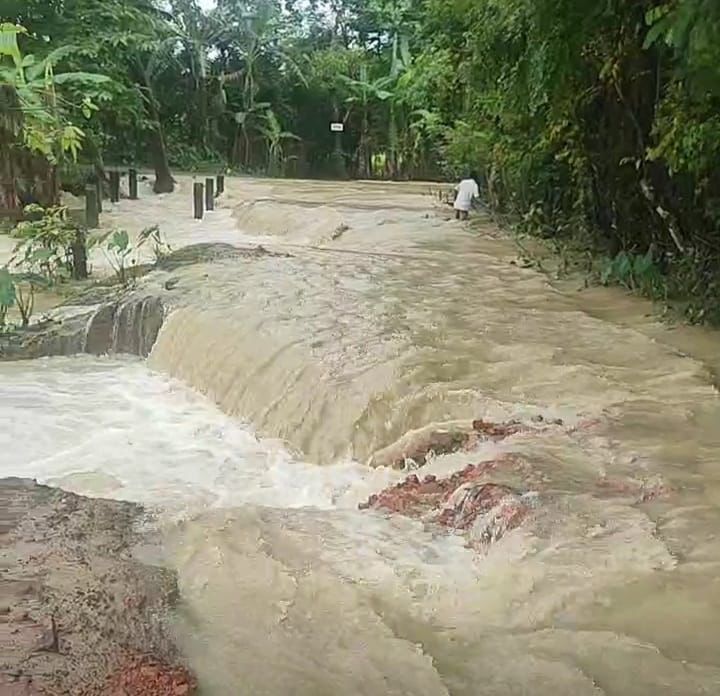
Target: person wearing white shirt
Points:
(466, 191)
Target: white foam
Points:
(114, 428)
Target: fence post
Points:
(114, 186)
(198, 200)
(209, 193)
(220, 188)
(99, 189)
(92, 214)
(132, 184)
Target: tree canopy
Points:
(592, 121)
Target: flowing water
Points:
(274, 380)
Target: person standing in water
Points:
(465, 192)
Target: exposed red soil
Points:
(79, 615)
(464, 501)
(140, 675)
(478, 501)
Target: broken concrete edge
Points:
(417, 447)
(106, 317)
(79, 614)
(128, 326)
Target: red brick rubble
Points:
(465, 501)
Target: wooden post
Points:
(209, 193)
(132, 184)
(114, 186)
(92, 214)
(79, 255)
(99, 189)
(198, 200)
(220, 187)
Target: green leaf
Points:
(657, 31)
(119, 241)
(80, 78)
(9, 43)
(7, 288)
(40, 255)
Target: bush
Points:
(51, 244)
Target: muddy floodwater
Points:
(258, 426)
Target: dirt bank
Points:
(78, 614)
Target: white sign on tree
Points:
(337, 127)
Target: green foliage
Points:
(44, 128)
(691, 29)
(589, 122)
(119, 253)
(7, 294)
(152, 235)
(122, 253)
(275, 137)
(25, 298)
(636, 272)
(193, 158)
(46, 242)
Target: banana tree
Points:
(197, 32)
(426, 128)
(244, 120)
(364, 92)
(34, 127)
(394, 15)
(275, 137)
(134, 42)
(254, 48)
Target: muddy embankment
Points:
(78, 614)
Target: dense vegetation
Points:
(596, 123)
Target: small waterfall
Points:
(130, 326)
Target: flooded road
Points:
(275, 380)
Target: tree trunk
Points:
(47, 186)
(8, 186)
(246, 146)
(393, 139)
(9, 127)
(164, 182)
(203, 123)
(364, 154)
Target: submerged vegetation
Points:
(592, 124)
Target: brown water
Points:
(386, 317)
